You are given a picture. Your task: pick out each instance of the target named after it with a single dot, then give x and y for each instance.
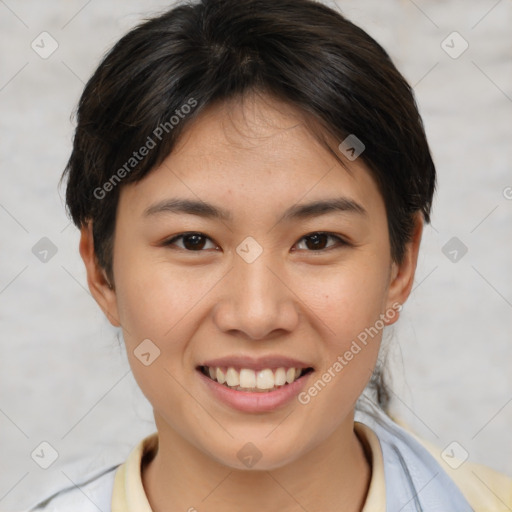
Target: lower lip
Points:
(255, 402)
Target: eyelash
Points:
(340, 241)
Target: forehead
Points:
(255, 129)
(254, 152)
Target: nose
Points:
(257, 300)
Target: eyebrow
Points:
(295, 212)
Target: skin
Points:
(255, 159)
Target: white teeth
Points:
(249, 380)
(265, 379)
(221, 378)
(232, 377)
(280, 377)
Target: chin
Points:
(256, 455)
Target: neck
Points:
(333, 475)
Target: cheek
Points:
(347, 300)
(348, 305)
(156, 304)
(163, 303)
(154, 298)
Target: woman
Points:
(251, 179)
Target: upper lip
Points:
(256, 364)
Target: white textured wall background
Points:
(63, 374)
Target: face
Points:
(219, 263)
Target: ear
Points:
(102, 291)
(402, 275)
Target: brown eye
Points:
(194, 242)
(317, 241)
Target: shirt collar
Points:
(129, 495)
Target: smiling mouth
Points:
(246, 379)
